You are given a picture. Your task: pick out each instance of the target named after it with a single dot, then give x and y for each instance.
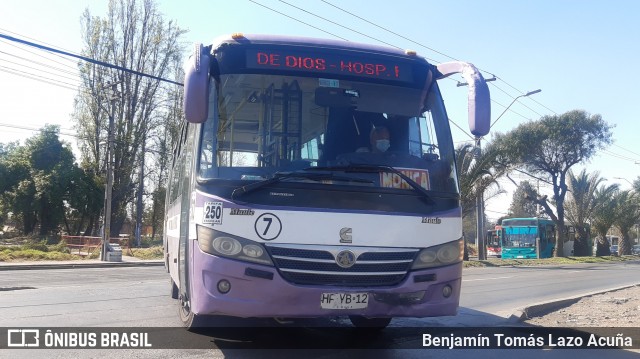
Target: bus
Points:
(273, 210)
(528, 238)
(493, 241)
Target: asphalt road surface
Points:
(139, 297)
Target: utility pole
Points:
(139, 205)
(109, 186)
(480, 208)
(480, 195)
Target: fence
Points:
(85, 245)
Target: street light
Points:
(512, 102)
(480, 196)
(621, 178)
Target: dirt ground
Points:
(619, 308)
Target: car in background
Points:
(635, 249)
(614, 250)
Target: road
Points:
(500, 290)
(139, 297)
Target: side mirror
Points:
(196, 86)
(479, 98)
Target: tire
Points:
(188, 318)
(174, 290)
(369, 323)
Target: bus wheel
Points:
(371, 323)
(187, 317)
(174, 289)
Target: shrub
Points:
(148, 253)
(60, 247)
(38, 246)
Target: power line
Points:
(342, 26)
(513, 97)
(619, 156)
(460, 128)
(74, 87)
(41, 130)
(635, 153)
(298, 20)
(31, 38)
(40, 71)
(40, 55)
(514, 111)
(394, 33)
(37, 129)
(497, 212)
(88, 59)
(38, 78)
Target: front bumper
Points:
(260, 291)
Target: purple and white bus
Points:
(277, 206)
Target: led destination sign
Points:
(374, 67)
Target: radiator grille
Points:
(318, 266)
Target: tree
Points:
(162, 139)
(580, 207)
(135, 36)
(16, 189)
(604, 215)
(52, 170)
(477, 175)
(86, 200)
(521, 205)
(627, 214)
(37, 180)
(550, 147)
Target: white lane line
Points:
(474, 280)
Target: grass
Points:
(26, 254)
(497, 262)
(146, 253)
(28, 249)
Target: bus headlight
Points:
(226, 246)
(440, 255)
(253, 250)
(229, 246)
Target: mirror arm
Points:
(478, 99)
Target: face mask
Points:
(382, 145)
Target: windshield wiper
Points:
(363, 167)
(279, 176)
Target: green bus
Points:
(528, 238)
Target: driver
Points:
(378, 140)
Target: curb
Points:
(539, 309)
(36, 266)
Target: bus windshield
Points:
(265, 125)
(520, 236)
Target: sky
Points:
(580, 53)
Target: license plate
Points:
(344, 300)
(519, 256)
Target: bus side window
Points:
(207, 149)
(177, 162)
(551, 234)
(421, 140)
